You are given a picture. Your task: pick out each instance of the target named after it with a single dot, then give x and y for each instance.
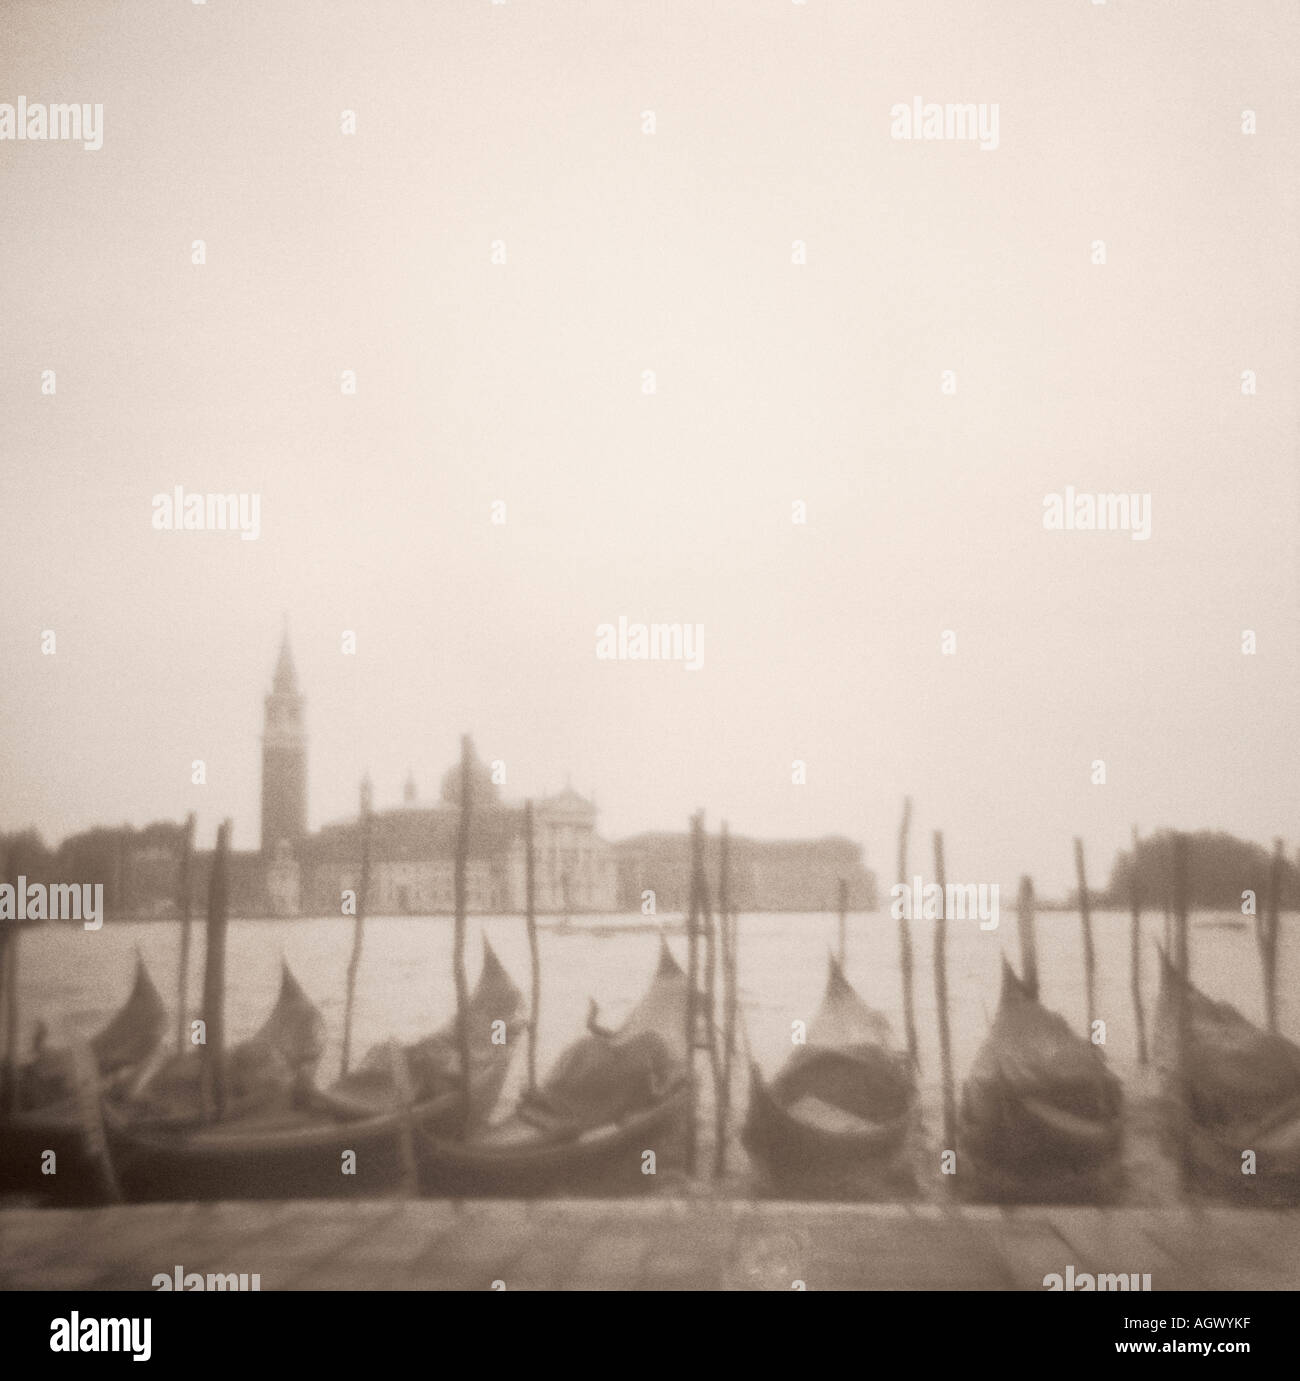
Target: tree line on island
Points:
(1222, 869)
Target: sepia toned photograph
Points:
(649, 646)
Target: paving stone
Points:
(614, 1259)
(1181, 1235)
(479, 1245)
(548, 1257)
(1028, 1249)
(1109, 1240)
(400, 1239)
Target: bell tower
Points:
(284, 758)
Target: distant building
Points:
(413, 848)
(575, 868)
(764, 875)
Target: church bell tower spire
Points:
(284, 757)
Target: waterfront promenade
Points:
(701, 1243)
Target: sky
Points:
(523, 383)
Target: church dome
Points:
(485, 790)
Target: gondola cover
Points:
(609, 1098)
(838, 1113)
(1243, 1086)
(1040, 1110)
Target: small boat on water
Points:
(1041, 1114)
(285, 1138)
(1243, 1087)
(51, 1110)
(610, 1098)
(836, 1118)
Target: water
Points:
(74, 979)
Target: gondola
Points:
(611, 1097)
(1243, 1086)
(295, 1029)
(1041, 1114)
(430, 1067)
(51, 1116)
(262, 1072)
(295, 1141)
(837, 1116)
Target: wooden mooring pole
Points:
(1266, 935)
(844, 910)
(9, 1067)
(184, 886)
(90, 1113)
(905, 962)
(727, 938)
(1089, 955)
(709, 923)
(692, 984)
(1135, 952)
(359, 926)
(212, 1073)
(1028, 937)
(9, 937)
(458, 940)
(941, 1002)
(1182, 968)
(408, 1174)
(534, 958)
(710, 955)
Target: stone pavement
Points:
(650, 1244)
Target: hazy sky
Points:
(522, 382)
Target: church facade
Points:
(413, 843)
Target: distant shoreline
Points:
(1220, 916)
